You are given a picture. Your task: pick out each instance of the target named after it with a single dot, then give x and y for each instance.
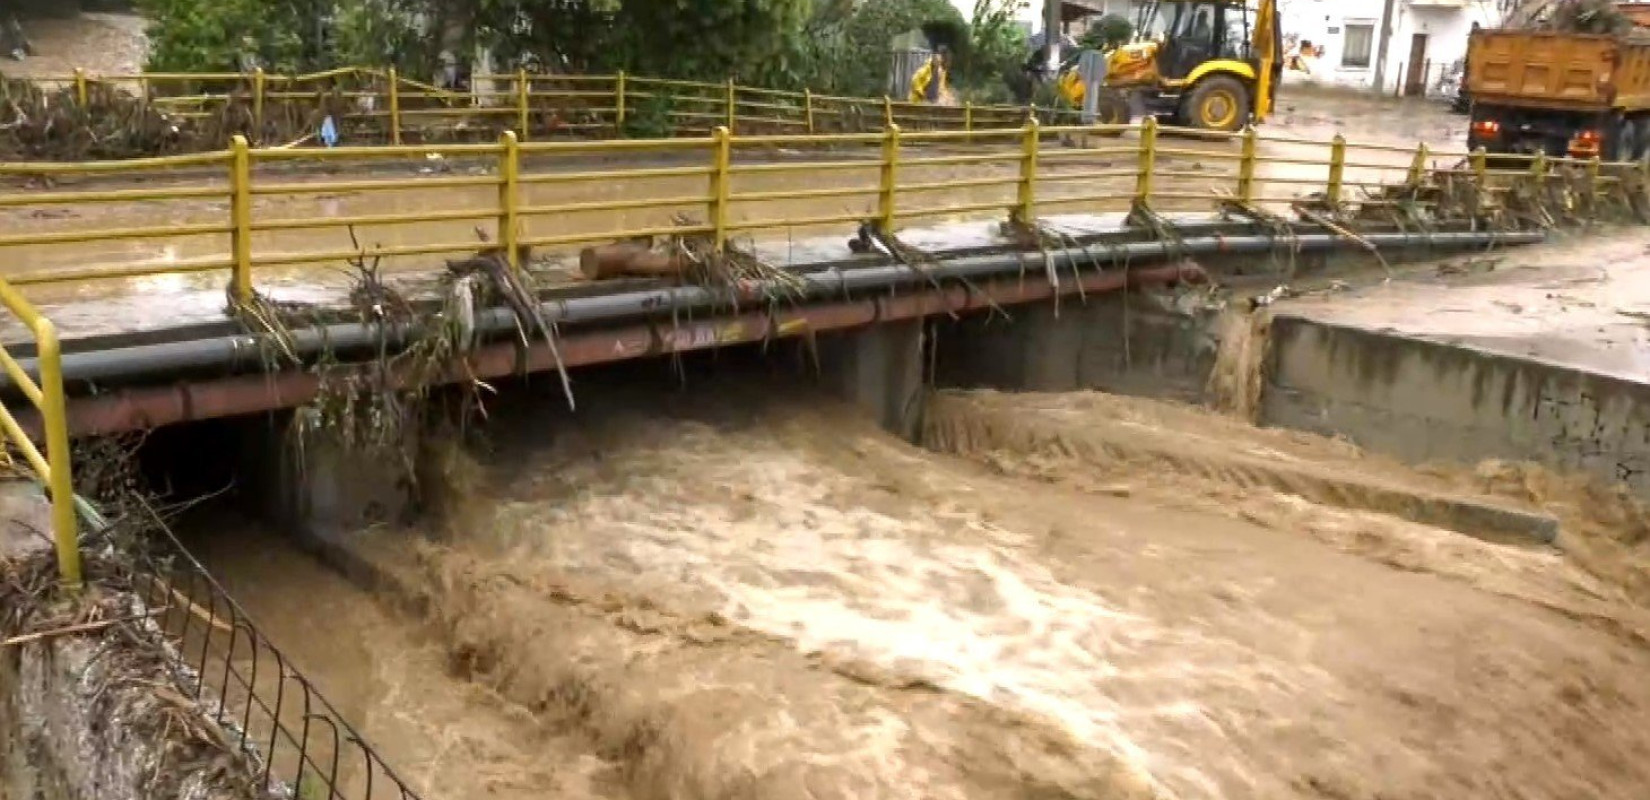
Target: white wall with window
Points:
(1427, 37)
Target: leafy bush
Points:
(1109, 32)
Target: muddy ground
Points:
(100, 44)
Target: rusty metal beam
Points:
(150, 407)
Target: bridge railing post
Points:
(619, 103)
(968, 121)
(808, 109)
(1148, 161)
(887, 111)
(1336, 186)
(733, 106)
(395, 105)
(240, 215)
(509, 198)
(1025, 204)
(720, 186)
(523, 93)
(1481, 176)
(259, 81)
(54, 414)
(82, 94)
(1418, 167)
(1594, 170)
(1248, 164)
(888, 188)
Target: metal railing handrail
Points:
(734, 102)
(1026, 147)
(53, 468)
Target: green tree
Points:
(216, 35)
(991, 68)
(753, 40)
(1110, 32)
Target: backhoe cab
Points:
(1210, 64)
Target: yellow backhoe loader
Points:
(1210, 64)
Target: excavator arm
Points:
(1266, 38)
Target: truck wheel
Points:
(1623, 142)
(1218, 104)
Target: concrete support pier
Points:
(316, 488)
(879, 369)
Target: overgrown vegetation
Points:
(834, 46)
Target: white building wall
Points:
(1446, 25)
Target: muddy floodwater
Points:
(744, 590)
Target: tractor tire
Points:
(1217, 104)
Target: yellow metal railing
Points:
(537, 106)
(52, 468)
(246, 210)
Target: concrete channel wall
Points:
(1409, 397)
(84, 718)
(1422, 400)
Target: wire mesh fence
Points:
(296, 741)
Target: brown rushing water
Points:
(745, 591)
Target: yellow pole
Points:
(1418, 169)
(521, 103)
(968, 120)
(1481, 174)
(1592, 178)
(888, 188)
(54, 412)
(1337, 169)
(80, 91)
(509, 191)
(240, 215)
(733, 109)
(258, 79)
(1538, 167)
(1026, 199)
(395, 106)
(808, 108)
(619, 102)
(1148, 161)
(887, 111)
(1247, 167)
(720, 187)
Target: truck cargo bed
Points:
(1541, 69)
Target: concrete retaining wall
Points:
(85, 717)
(1421, 401)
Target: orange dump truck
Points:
(1560, 93)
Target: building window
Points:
(1359, 41)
